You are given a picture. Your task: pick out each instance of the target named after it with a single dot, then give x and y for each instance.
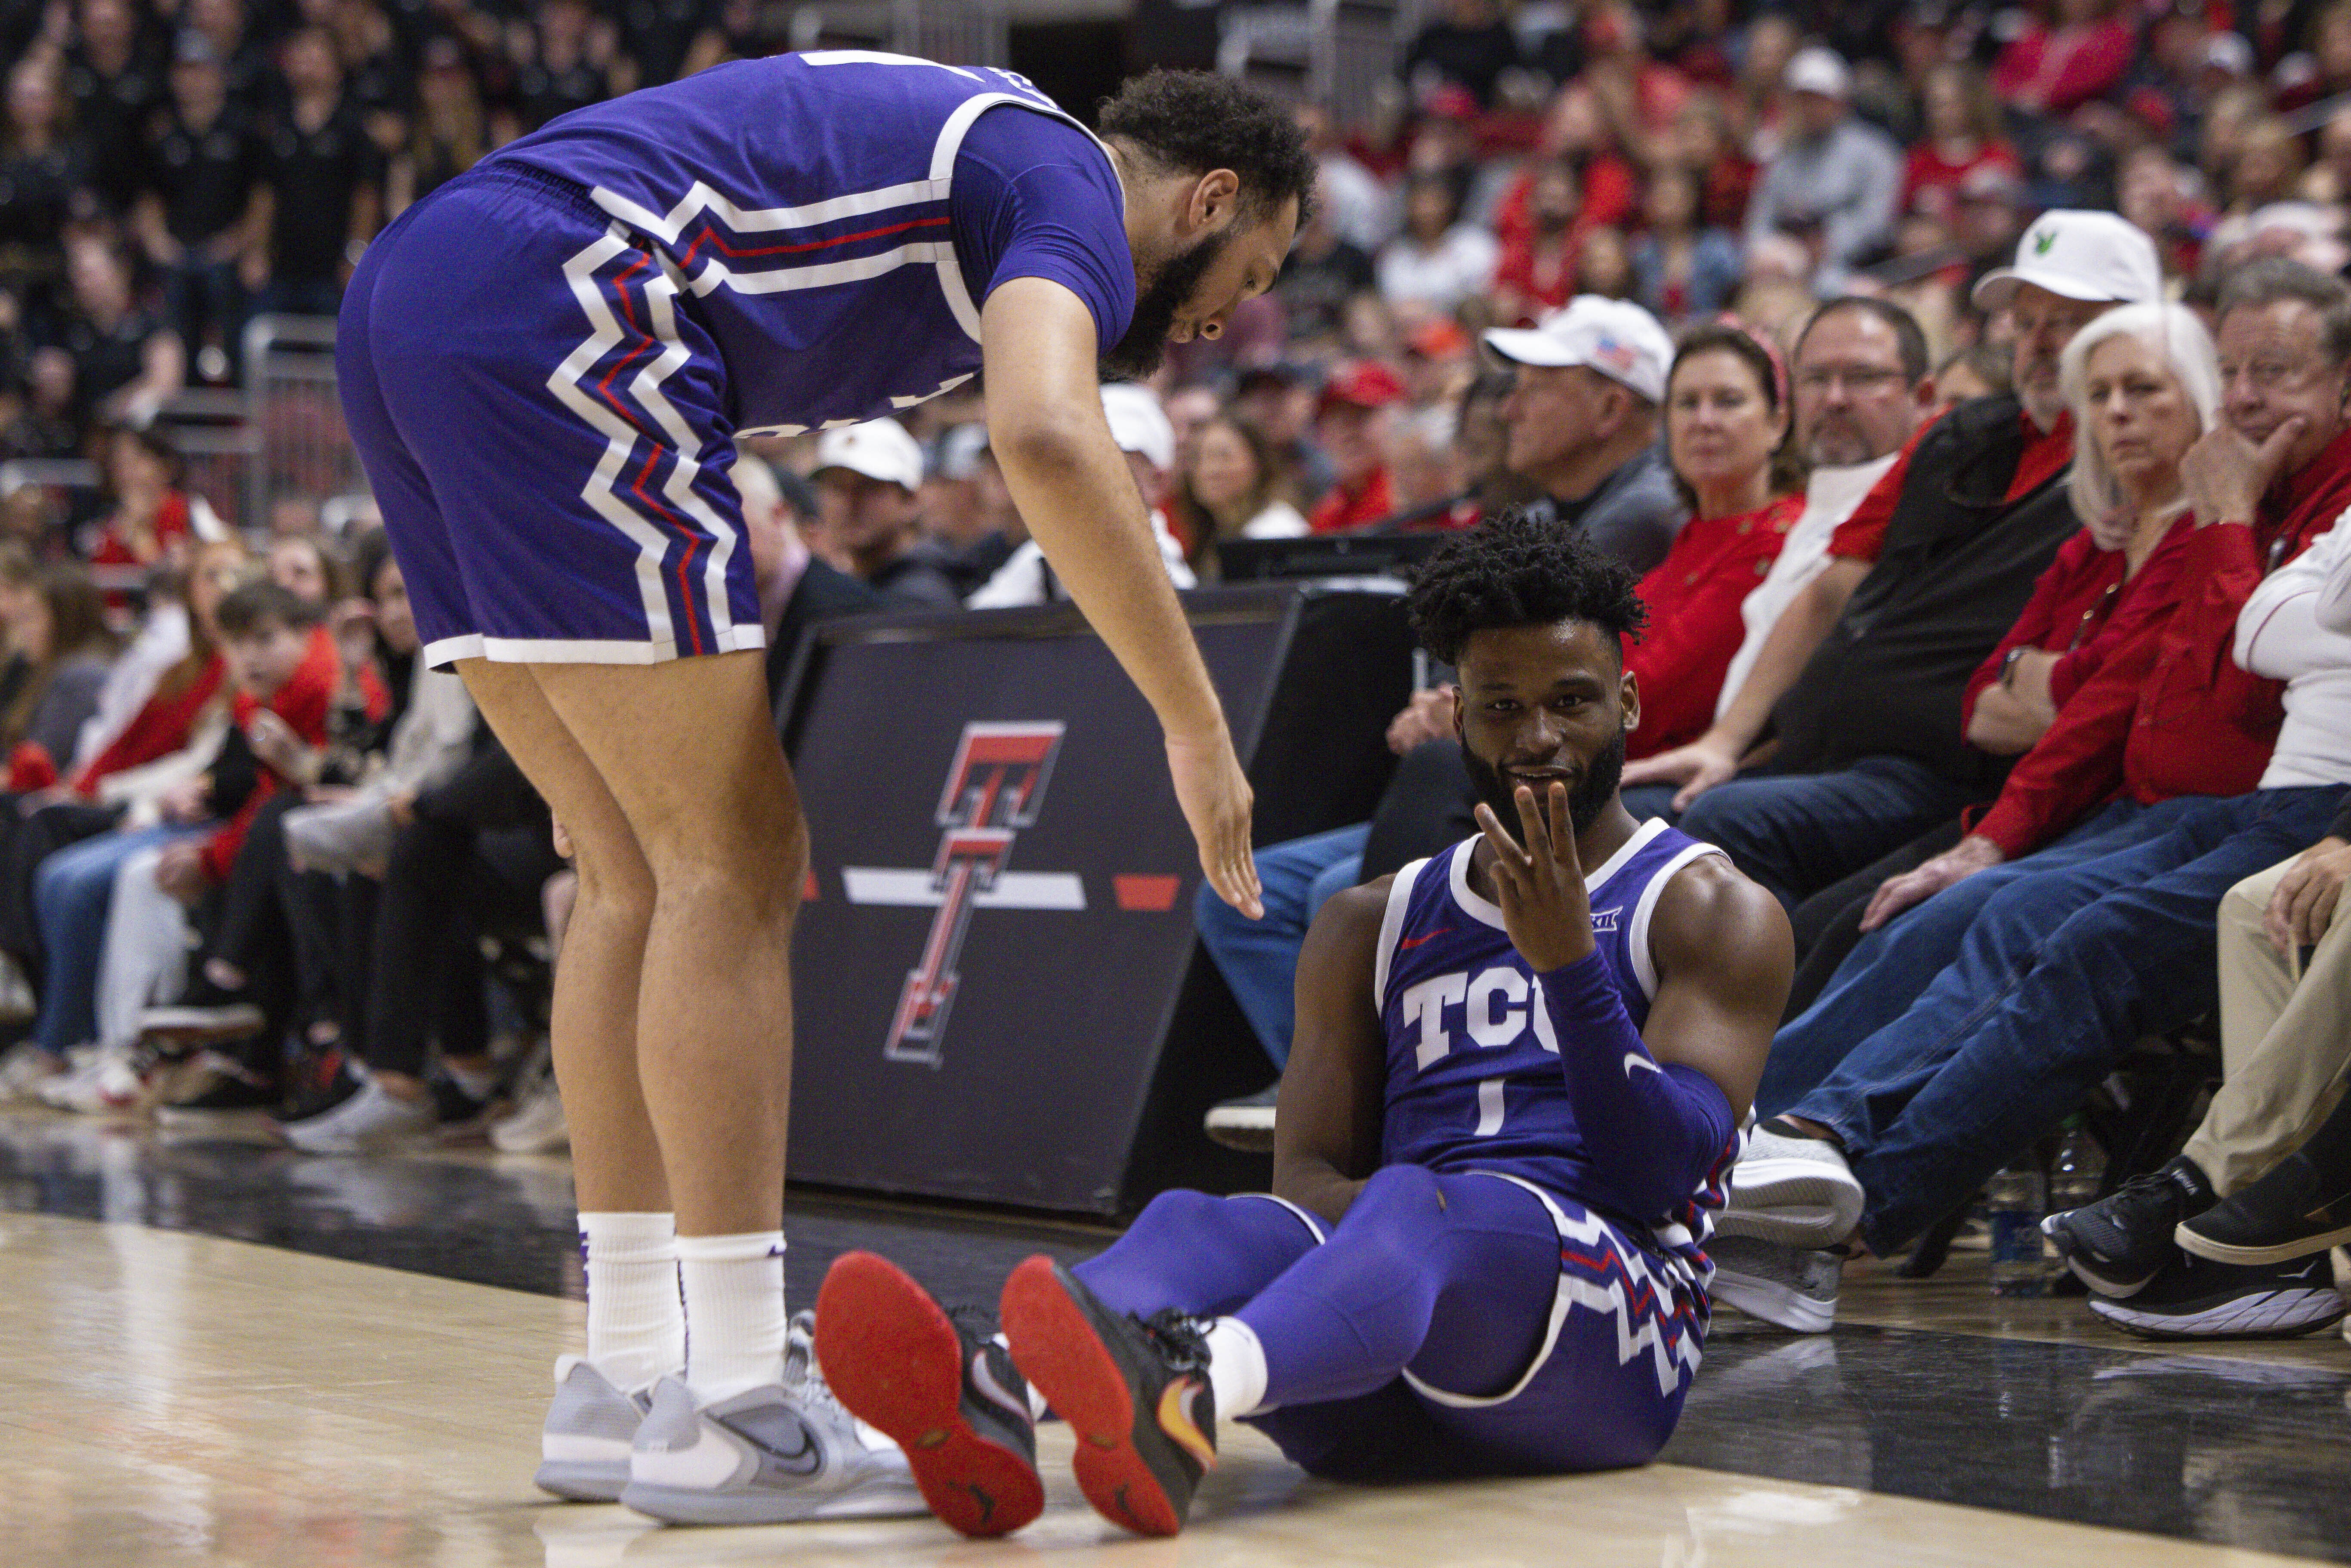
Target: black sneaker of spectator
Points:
(2195, 1298)
(2117, 1244)
(2293, 1211)
(320, 1080)
(1246, 1123)
(461, 1110)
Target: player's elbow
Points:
(1047, 443)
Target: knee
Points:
(1717, 817)
(1399, 1202)
(2243, 906)
(754, 876)
(1180, 1212)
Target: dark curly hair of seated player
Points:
(1198, 121)
(1518, 569)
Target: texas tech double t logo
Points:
(995, 785)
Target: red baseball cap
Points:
(1363, 383)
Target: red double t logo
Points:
(995, 785)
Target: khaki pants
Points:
(2285, 1039)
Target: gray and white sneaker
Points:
(772, 1455)
(538, 1126)
(583, 1450)
(1791, 1287)
(1796, 1191)
(373, 1119)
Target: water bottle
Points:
(2079, 1170)
(2013, 1203)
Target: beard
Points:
(1586, 798)
(1138, 354)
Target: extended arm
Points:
(1326, 1139)
(1046, 426)
(1714, 756)
(1658, 1107)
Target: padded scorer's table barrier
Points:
(998, 992)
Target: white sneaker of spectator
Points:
(372, 1121)
(100, 1080)
(538, 1126)
(1795, 1190)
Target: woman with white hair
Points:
(2141, 383)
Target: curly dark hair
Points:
(1197, 121)
(1517, 569)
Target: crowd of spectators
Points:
(1954, 376)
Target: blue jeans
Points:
(72, 892)
(1259, 959)
(1892, 966)
(1797, 833)
(2059, 971)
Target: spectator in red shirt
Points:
(1537, 272)
(2141, 383)
(1962, 132)
(1726, 426)
(1861, 680)
(2032, 978)
(2055, 70)
(1352, 423)
(151, 519)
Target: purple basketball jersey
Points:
(803, 203)
(1474, 1076)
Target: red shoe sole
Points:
(894, 1359)
(1056, 1348)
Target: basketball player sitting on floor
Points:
(1515, 1088)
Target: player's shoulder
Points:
(1361, 908)
(1710, 915)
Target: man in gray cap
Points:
(1859, 684)
(1836, 181)
(1584, 425)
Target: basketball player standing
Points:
(546, 365)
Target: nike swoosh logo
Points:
(1407, 943)
(804, 1460)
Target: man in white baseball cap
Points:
(1835, 181)
(868, 478)
(1139, 424)
(1862, 679)
(1583, 424)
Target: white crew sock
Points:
(636, 1327)
(734, 1315)
(1236, 1369)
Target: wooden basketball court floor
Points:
(215, 1350)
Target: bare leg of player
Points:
(689, 752)
(617, 1161)
(689, 783)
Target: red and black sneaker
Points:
(943, 1390)
(1135, 1393)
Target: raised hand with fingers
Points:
(1541, 886)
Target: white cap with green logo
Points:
(2081, 255)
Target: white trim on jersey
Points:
(1491, 913)
(700, 198)
(1391, 928)
(601, 491)
(1307, 1218)
(572, 651)
(1636, 932)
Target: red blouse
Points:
(1694, 597)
